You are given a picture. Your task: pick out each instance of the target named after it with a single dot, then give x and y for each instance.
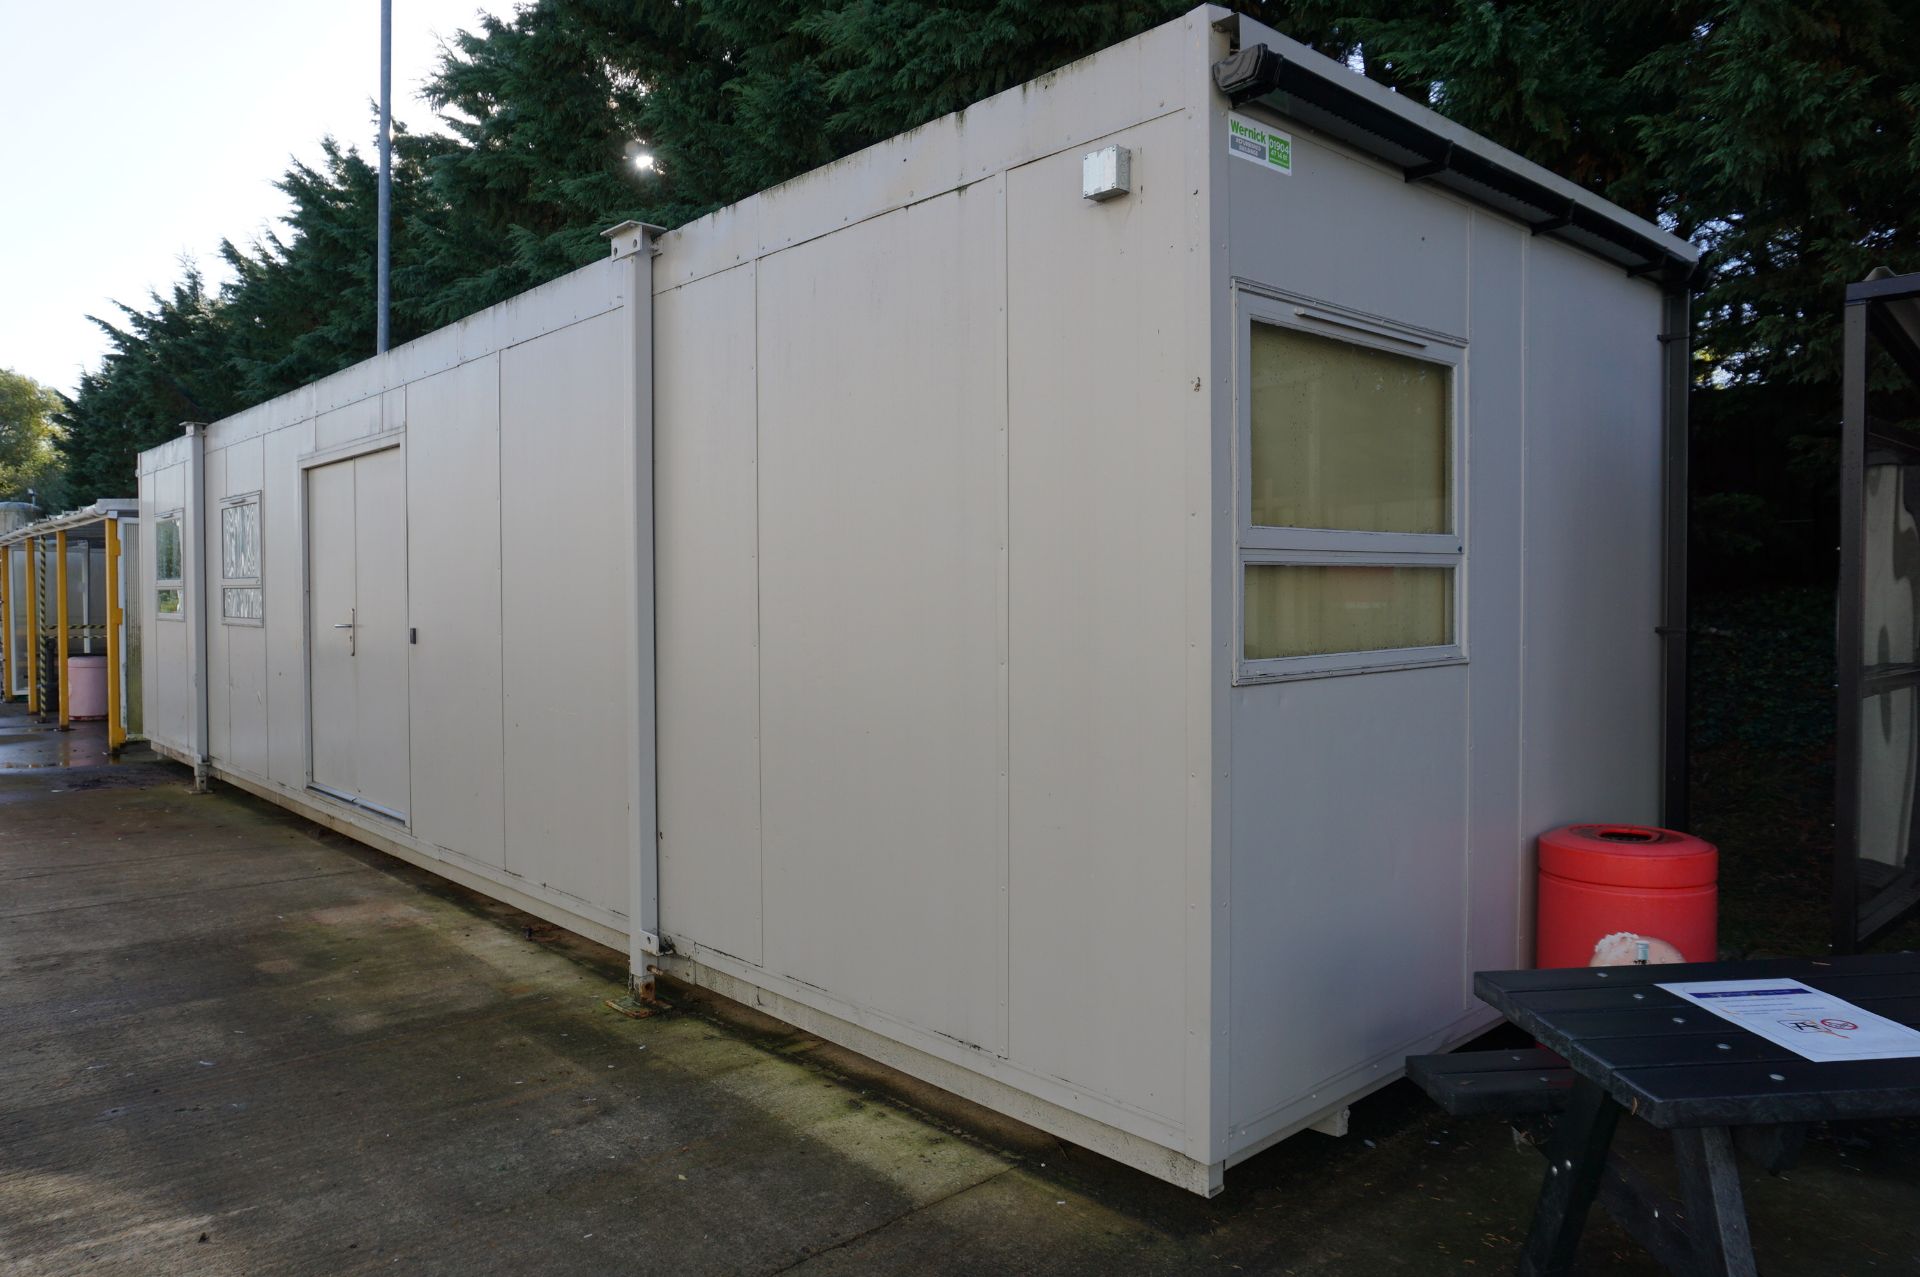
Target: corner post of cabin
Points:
(116, 721)
(633, 247)
(193, 550)
(60, 626)
(1677, 380)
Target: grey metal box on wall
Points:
(917, 491)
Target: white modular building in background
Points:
(1088, 602)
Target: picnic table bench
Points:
(1612, 1042)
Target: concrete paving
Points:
(232, 1042)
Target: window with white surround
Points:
(241, 600)
(1351, 551)
(168, 546)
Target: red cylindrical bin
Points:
(1617, 894)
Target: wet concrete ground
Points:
(29, 745)
(231, 1042)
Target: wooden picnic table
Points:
(1634, 1048)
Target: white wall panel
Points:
(1349, 876)
(563, 411)
(219, 681)
(1099, 385)
(246, 697)
(343, 425)
(882, 530)
(706, 530)
(168, 713)
(241, 471)
(1148, 76)
(1496, 845)
(283, 565)
(1350, 795)
(381, 673)
(1354, 233)
(453, 546)
(246, 460)
(1593, 513)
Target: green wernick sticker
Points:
(1257, 144)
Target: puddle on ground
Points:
(44, 747)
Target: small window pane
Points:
(241, 603)
(1310, 609)
(169, 600)
(166, 548)
(1346, 437)
(240, 541)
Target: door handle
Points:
(353, 614)
(346, 625)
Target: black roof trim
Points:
(1883, 287)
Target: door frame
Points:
(351, 450)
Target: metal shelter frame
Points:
(34, 540)
(1881, 312)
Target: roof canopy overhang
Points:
(1286, 77)
(74, 520)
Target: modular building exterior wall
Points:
(928, 680)
(489, 470)
(1414, 795)
(935, 581)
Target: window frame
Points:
(1256, 545)
(254, 582)
(177, 584)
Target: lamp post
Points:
(384, 251)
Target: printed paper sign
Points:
(1256, 143)
(1805, 1021)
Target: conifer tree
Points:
(1779, 134)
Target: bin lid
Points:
(1628, 856)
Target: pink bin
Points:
(86, 687)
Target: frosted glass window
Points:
(1309, 609)
(240, 596)
(240, 541)
(166, 564)
(166, 548)
(241, 603)
(1346, 436)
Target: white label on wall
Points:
(1257, 144)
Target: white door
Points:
(357, 630)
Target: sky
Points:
(136, 132)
